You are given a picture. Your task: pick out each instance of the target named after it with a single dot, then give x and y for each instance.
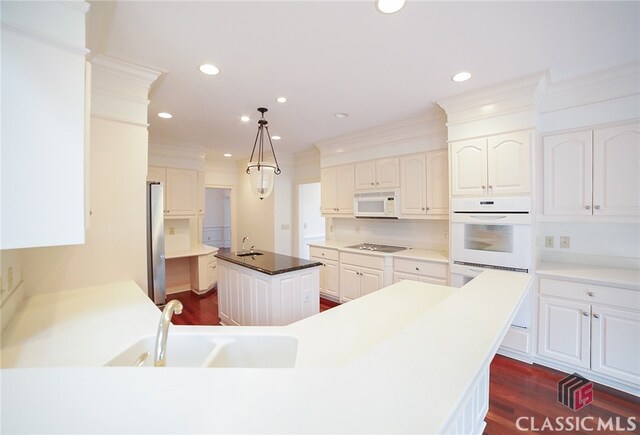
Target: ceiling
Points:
(343, 56)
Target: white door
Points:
(388, 173)
(469, 167)
(370, 280)
(437, 165)
(413, 184)
(567, 174)
(616, 171)
(349, 282)
(564, 331)
(328, 190)
(344, 189)
(331, 278)
(365, 175)
(615, 345)
(508, 164)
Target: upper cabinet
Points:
(43, 124)
(424, 186)
(182, 195)
(381, 173)
(495, 165)
(337, 190)
(593, 172)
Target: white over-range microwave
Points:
(376, 204)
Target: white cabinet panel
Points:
(437, 165)
(508, 164)
(365, 175)
(370, 280)
(200, 192)
(182, 192)
(382, 173)
(469, 167)
(413, 184)
(349, 283)
(337, 186)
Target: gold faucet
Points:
(174, 306)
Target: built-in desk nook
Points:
(194, 269)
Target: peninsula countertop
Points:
(403, 376)
(267, 262)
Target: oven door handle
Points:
(487, 218)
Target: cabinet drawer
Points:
(420, 267)
(211, 258)
(623, 298)
(371, 261)
(326, 253)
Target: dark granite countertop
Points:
(269, 262)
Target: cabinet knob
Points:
(323, 254)
(590, 294)
(428, 209)
(484, 187)
(585, 314)
(587, 207)
(377, 183)
(422, 208)
(597, 207)
(372, 183)
(597, 316)
(417, 268)
(490, 186)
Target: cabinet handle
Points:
(597, 316)
(428, 209)
(484, 187)
(372, 183)
(590, 294)
(587, 207)
(323, 254)
(597, 207)
(585, 314)
(377, 183)
(490, 186)
(422, 208)
(417, 268)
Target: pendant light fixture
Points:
(262, 175)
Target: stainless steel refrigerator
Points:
(155, 243)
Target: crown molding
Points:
(600, 86)
(141, 74)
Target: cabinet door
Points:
(401, 276)
(233, 293)
(223, 297)
(323, 273)
(349, 283)
(388, 173)
(616, 171)
(331, 278)
(200, 192)
(181, 188)
(567, 174)
(509, 163)
(344, 189)
(437, 182)
(469, 167)
(615, 343)
(564, 331)
(413, 185)
(370, 280)
(329, 190)
(365, 175)
(212, 274)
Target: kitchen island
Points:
(262, 288)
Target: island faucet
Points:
(174, 306)
(244, 239)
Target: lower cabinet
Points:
(362, 274)
(591, 327)
(420, 270)
(329, 272)
(248, 297)
(204, 272)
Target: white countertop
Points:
(193, 252)
(591, 274)
(380, 364)
(418, 254)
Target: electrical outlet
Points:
(565, 242)
(548, 241)
(172, 231)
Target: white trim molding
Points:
(172, 154)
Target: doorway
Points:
(310, 220)
(216, 224)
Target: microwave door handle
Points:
(487, 218)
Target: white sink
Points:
(215, 350)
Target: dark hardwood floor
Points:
(517, 390)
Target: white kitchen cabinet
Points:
(204, 272)
(183, 190)
(424, 184)
(337, 190)
(419, 270)
(593, 327)
(45, 98)
(361, 275)
(593, 172)
(494, 165)
(201, 193)
(381, 173)
(329, 272)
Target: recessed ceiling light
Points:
(281, 100)
(276, 137)
(245, 119)
(165, 115)
(389, 6)
(227, 155)
(341, 115)
(209, 69)
(461, 76)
